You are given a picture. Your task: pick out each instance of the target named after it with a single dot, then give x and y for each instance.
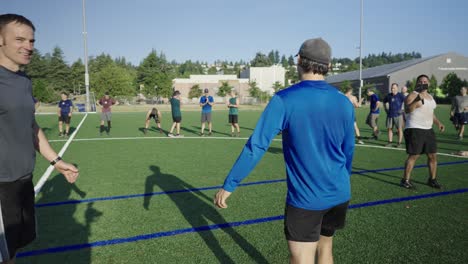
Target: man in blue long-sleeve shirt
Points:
(317, 125)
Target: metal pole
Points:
(88, 106)
(360, 54)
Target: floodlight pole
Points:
(360, 53)
(88, 106)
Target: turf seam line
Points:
(121, 197)
(218, 226)
(51, 168)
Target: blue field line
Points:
(120, 197)
(217, 226)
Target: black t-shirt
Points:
(17, 152)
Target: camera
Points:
(421, 87)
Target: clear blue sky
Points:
(207, 30)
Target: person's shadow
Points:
(59, 226)
(196, 208)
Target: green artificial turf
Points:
(127, 162)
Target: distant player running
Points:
(65, 109)
(153, 114)
(233, 106)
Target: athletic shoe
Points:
(406, 184)
(398, 145)
(179, 135)
(66, 135)
(433, 183)
(160, 131)
(170, 135)
(460, 138)
(202, 134)
(360, 142)
(209, 133)
(238, 134)
(389, 144)
(108, 133)
(233, 135)
(60, 134)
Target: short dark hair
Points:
(176, 93)
(394, 84)
(421, 76)
(65, 93)
(315, 67)
(6, 19)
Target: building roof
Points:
(378, 71)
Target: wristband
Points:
(55, 160)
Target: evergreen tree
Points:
(261, 60)
(58, 74)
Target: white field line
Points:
(49, 170)
(232, 138)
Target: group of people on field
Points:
(206, 103)
(318, 144)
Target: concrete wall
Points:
(212, 83)
(265, 77)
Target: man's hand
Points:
(441, 127)
(68, 170)
(220, 198)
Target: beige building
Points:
(265, 77)
(212, 83)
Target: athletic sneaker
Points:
(433, 183)
(202, 134)
(398, 145)
(389, 144)
(360, 142)
(406, 184)
(170, 135)
(179, 135)
(145, 131)
(66, 135)
(60, 134)
(209, 133)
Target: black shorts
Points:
(303, 225)
(233, 119)
(155, 117)
(420, 141)
(177, 119)
(64, 118)
(18, 226)
(460, 119)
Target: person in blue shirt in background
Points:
(393, 104)
(65, 110)
(373, 117)
(317, 125)
(206, 103)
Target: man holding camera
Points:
(419, 135)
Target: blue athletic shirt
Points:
(373, 102)
(395, 104)
(65, 105)
(317, 124)
(206, 108)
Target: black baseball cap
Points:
(316, 50)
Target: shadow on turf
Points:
(197, 209)
(59, 226)
(153, 129)
(214, 131)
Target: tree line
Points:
(51, 74)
